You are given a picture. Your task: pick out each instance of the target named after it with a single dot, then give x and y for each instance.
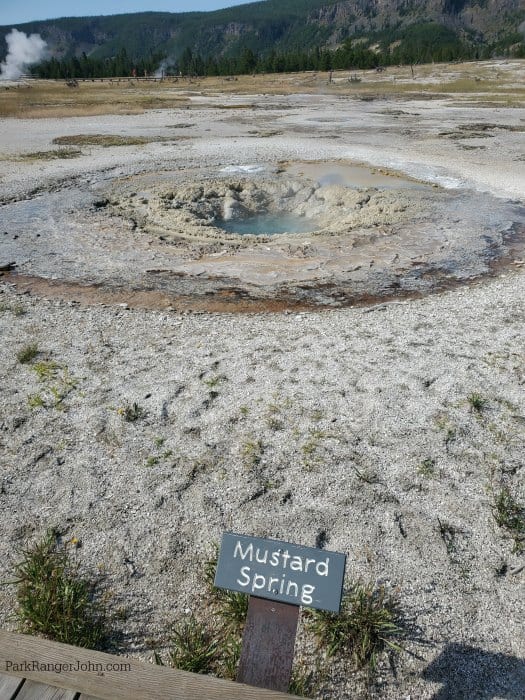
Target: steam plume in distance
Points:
(23, 50)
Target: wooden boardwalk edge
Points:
(111, 677)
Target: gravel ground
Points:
(354, 426)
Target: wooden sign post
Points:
(268, 644)
(279, 577)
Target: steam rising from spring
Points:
(165, 64)
(23, 50)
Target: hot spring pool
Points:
(268, 224)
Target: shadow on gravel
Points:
(468, 673)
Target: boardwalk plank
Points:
(42, 691)
(8, 686)
(106, 678)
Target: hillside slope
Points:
(282, 25)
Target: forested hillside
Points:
(281, 35)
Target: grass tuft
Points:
(36, 401)
(46, 370)
(54, 600)
(510, 515)
(212, 645)
(251, 453)
(194, 647)
(16, 310)
(57, 383)
(367, 625)
(131, 412)
(27, 354)
(305, 682)
(231, 607)
(427, 468)
(477, 402)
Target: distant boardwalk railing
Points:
(94, 674)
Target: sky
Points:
(19, 11)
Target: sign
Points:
(280, 571)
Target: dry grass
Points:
(54, 99)
(60, 154)
(479, 83)
(108, 140)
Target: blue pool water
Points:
(268, 224)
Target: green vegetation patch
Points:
(368, 624)
(27, 354)
(61, 153)
(212, 645)
(131, 412)
(15, 309)
(509, 514)
(194, 647)
(54, 600)
(57, 384)
(107, 140)
(477, 402)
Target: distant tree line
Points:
(421, 44)
(88, 67)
